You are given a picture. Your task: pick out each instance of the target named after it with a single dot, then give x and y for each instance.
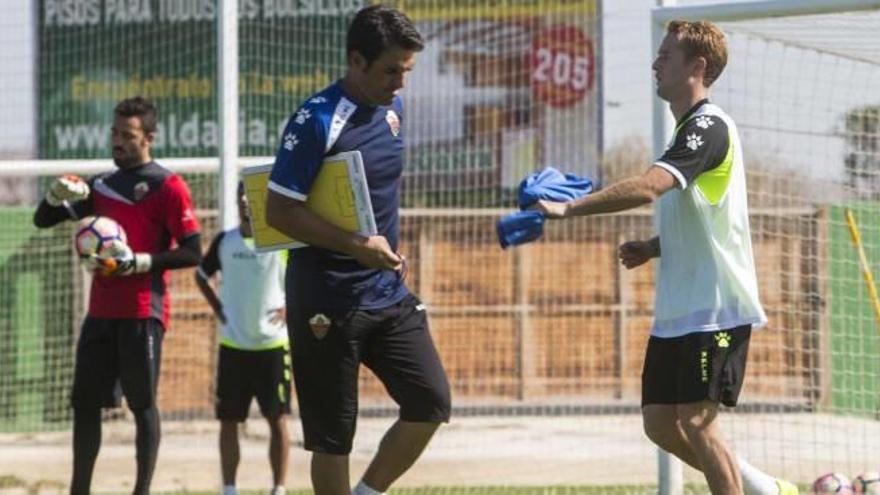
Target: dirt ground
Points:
(515, 450)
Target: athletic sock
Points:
(363, 489)
(229, 490)
(755, 481)
(278, 490)
(86, 443)
(146, 447)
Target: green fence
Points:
(854, 340)
(36, 323)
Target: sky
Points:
(17, 83)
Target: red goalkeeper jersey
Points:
(154, 207)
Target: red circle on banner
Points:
(562, 65)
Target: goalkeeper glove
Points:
(119, 260)
(67, 188)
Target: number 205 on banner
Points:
(562, 65)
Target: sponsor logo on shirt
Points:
(345, 107)
(694, 141)
(302, 115)
(290, 141)
(704, 122)
(320, 325)
(393, 122)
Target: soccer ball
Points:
(867, 483)
(98, 235)
(832, 483)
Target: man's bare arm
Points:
(624, 195)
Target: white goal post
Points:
(670, 477)
(19, 168)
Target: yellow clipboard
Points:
(339, 195)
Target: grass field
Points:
(689, 489)
(500, 490)
(9, 485)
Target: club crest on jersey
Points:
(393, 122)
(140, 190)
(320, 325)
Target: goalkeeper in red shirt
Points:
(120, 344)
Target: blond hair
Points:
(702, 39)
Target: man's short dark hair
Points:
(377, 28)
(138, 107)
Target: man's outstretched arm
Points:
(624, 195)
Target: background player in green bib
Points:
(254, 354)
(706, 299)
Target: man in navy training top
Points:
(121, 338)
(346, 300)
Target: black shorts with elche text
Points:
(328, 349)
(116, 356)
(243, 375)
(696, 367)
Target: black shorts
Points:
(117, 353)
(696, 367)
(243, 375)
(394, 342)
